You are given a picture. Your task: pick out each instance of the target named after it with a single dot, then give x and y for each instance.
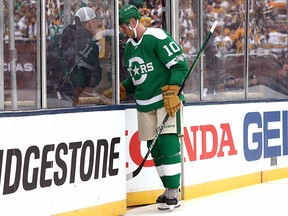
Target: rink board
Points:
(63, 164)
(75, 163)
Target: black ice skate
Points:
(172, 198)
(168, 200)
(161, 201)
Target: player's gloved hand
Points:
(108, 92)
(122, 92)
(171, 99)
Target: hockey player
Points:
(156, 69)
(80, 51)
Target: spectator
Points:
(156, 24)
(225, 44)
(231, 83)
(267, 43)
(253, 80)
(186, 20)
(239, 38)
(100, 30)
(18, 25)
(150, 4)
(55, 29)
(218, 9)
(156, 12)
(144, 11)
(265, 37)
(227, 21)
(32, 27)
(188, 46)
(17, 5)
(279, 81)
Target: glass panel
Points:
(22, 95)
(189, 41)
(223, 57)
(79, 53)
(268, 50)
(225, 63)
(146, 12)
(223, 74)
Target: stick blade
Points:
(134, 173)
(129, 176)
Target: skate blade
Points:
(164, 206)
(172, 207)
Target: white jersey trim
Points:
(149, 101)
(174, 61)
(156, 32)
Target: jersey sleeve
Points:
(172, 56)
(129, 86)
(128, 83)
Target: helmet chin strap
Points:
(134, 29)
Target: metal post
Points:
(41, 56)
(164, 15)
(201, 38)
(115, 43)
(172, 19)
(246, 48)
(1, 56)
(67, 12)
(12, 56)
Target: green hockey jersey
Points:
(81, 53)
(154, 61)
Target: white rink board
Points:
(47, 142)
(81, 187)
(235, 126)
(226, 123)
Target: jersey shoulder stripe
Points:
(156, 32)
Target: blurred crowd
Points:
(25, 17)
(267, 30)
(267, 21)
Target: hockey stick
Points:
(160, 128)
(67, 75)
